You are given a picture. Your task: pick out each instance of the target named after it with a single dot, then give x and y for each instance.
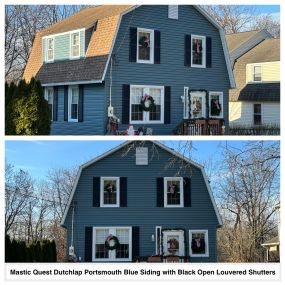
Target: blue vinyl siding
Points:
(141, 209)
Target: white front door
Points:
(198, 104)
(173, 243)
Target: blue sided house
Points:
(161, 68)
(141, 201)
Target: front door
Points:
(198, 104)
(173, 243)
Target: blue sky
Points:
(266, 9)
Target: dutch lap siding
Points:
(142, 210)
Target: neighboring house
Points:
(255, 58)
(149, 198)
(114, 60)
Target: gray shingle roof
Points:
(274, 240)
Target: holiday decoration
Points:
(198, 245)
(215, 107)
(173, 245)
(111, 242)
(172, 188)
(110, 187)
(147, 103)
(145, 41)
(197, 106)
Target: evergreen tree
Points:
(54, 254)
(7, 249)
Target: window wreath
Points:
(173, 245)
(215, 107)
(172, 189)
(111, 242)
(144, 41)
(147, 103)
(110, 187)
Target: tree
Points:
(268, 23)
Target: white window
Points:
(198, 48)
(152, 100)
(49, 98)
(50, 49)
(75, 45)
(110, 192)
(198, 243)
(123, 251)
(173, 242)
(198, 104)
(173, 192)
(141, 156)
(73, 97)
(216, 104)
(145, 45)
(257, 73)
(173, 12)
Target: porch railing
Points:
(163, 259)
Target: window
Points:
(122, 253)
(50, 49)
(257, 119)
(141, 95)
(141, 156)
(75, 45)
(173, 192)
(198, 104)
(199, 245)
(198, 48)
(173, 12)
(145, 48)
(73, 96)
(110, 191)
(257, 73)
(49, 98)
(216, 104)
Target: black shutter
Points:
(123, 192)
(125, 104)
(156, 47)
(65, 103)
(55, 103)
(135, 242)
(80, 103)
(167, 104)
(96, 191)
(88, 244)
(208, 52)
(160, 192)
(133, 45)
(187, 191)
(187, 50)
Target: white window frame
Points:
(139, 152)
(146, 114)
(180, 179)
(205, 232)
(112, 253)
(117, 179)
(181, 235)
(151, 60)
(47, 49)
(203, 38)
(173, 11)
(253, 73)
(46, 97)
(193, 93)
(71, 45)
(221, 95)
(185, 100)
(69, 102)
(156, 239)
(261, 114)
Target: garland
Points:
(115, 242)
(147, 103)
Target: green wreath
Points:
(110, 187)
(144, 41)
(109, 239)
(150, 101)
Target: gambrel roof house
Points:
(138, 200)
(150, 66)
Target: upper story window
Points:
(141, 156)
(146, 104)
(145, 45)
(199, 244)
(75, 45)
(50, 49)
(173, 12)
(73, 97)
(257, 73)
(173, 192)
(49, 98)
(198, 48)
(110, 191)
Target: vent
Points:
(141, 156)
(173, 12)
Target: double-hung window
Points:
(216, 104)
(257, 73)
(173, 192)
(145, 45)
(50, 49)
(198, 50)
(110, 192)
(257, 117)
(199, 244)
(73, 97)
(75, 45)
(151, 97)
(49, 98)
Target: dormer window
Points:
(75, 45)
(145, 49)
(50, 49)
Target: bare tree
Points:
(267, 22)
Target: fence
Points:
(255, 130)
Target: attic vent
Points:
(141, 156)
(173, 12)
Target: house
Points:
(149, 66)
(255, 57)
(141, 199)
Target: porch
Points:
(162, 259)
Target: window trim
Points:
(69, 103)
(46, 98)
(180, 179)
(111, 252)
(161, 121)
(261, 113)
(204, 51)
(71, 44)
(151, 60)
(205, 232)
(102, 179)
(46, 51)
(253, 73)
(221, 94)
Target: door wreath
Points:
(111, 242)
(147, 103)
